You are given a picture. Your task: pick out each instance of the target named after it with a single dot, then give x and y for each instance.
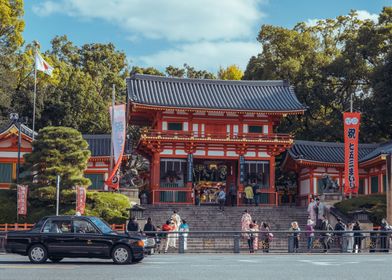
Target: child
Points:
(158, 239)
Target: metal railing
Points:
(172, 196)
(264, 243)
(278, 242)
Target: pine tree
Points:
(57, 151)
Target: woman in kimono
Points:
(246, 220)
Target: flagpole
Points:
(112, 124)
(36, 44)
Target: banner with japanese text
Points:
(80, 199)
(351, 134)
(22, 199)
(118, 143)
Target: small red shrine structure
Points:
(316, 163)
(201, 135)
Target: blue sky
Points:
(205, 34)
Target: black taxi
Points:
(58, 237)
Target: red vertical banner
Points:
(351, 135)
(22, 199)
(80, 199)
(118, 143)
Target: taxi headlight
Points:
(139, 243)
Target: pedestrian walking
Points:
(222, 199)
(310, 233)
(340, 227)
(248, 194)
(233, 194)
(184, 229)
(246, 220)
(251, 237)
(384, 240)
(148, 227)
(256, 239)
(311, 210)
(266, 237)
(295, 236)
(350, 237)
(168, 237)
(325, 235)
(357, 237)
(256, 193)
(176, 220)
(133, 225)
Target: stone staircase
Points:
(209, 218)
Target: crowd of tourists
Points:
(166, 236)
(256, 234)
(347, 237)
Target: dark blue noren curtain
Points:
(5, 172)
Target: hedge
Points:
(375, 205)
(109, 206)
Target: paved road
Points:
(205, 266)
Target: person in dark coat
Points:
(149, 227)
(133, 225)
(357, 237)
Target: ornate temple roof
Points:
(253, 96)
(12, 125)
(330, 152)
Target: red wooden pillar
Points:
(155, 170)
(272, 173)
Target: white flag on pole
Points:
(42, 65)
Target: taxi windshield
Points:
(103, 226)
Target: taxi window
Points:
(84, 227)
(57, 226)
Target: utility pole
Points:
(57, 194)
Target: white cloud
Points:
(173, 20)
(204, 55)
(361, 14)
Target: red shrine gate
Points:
(208, 134)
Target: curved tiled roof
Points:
(263, 96)
(98, 144)
(382, 149)
(25, 129)
(328, 152)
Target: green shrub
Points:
(109, 206)
(375, 205)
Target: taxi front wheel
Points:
(122, 255)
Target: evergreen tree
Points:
(57, 151)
